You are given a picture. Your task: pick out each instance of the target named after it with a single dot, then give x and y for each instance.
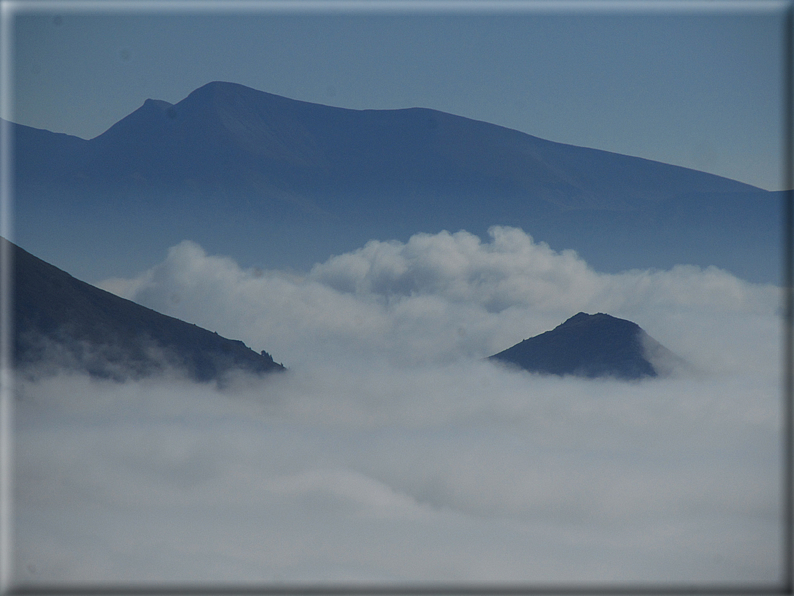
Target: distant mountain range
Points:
(276, 182)
(592, 346)
(61, 323)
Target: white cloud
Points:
(465, 472)
(392, 452)
(439, 298)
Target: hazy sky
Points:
(692, 84)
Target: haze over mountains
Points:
(392, 429)
(278, 183)
(63, 323)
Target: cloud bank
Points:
(391, 452)
(439, 298)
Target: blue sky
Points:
(692, 84)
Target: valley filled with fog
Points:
(392, 451)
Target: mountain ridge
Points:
(265, 168)
(61, 323)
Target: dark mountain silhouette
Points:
(278, 182)
(592, 346)
(61, 322)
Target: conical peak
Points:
(598, 345)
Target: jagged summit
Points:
(592, 346)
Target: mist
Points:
(391, 451)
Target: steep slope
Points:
(62, 322)
(287, 183)
(592, 346)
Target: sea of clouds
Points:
(391, 451)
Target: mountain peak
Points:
(271, 168)
(221, 85)
(223, 92)
(583, 319)
(585, 345)
(156, 103)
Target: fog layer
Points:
(392, 452)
